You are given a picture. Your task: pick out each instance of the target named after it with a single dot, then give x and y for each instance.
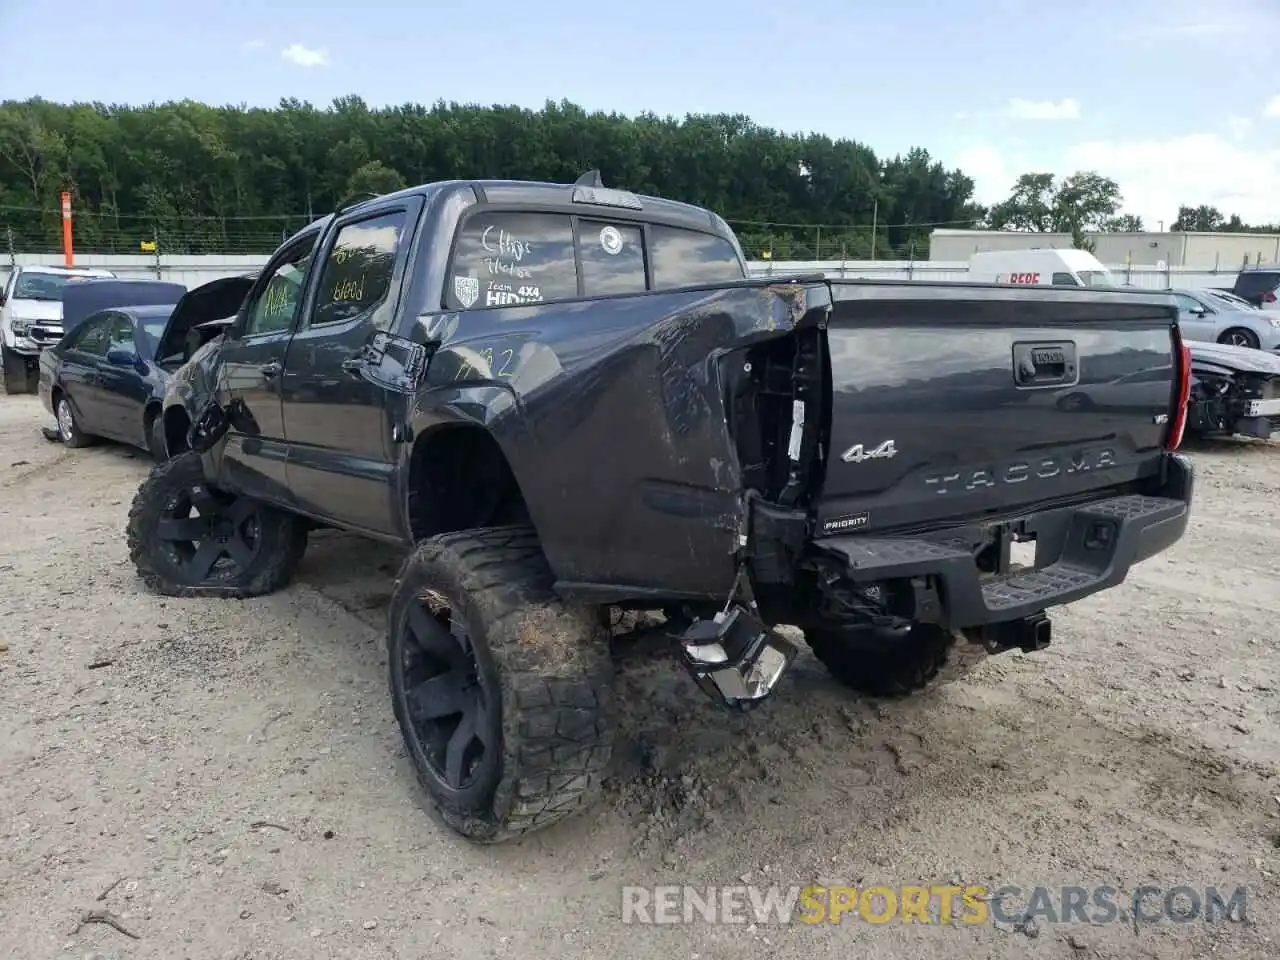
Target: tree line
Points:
(188, 177)
(1088, 201)
(195, 178)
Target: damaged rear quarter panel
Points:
(616, 425)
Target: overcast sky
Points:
(1178, 101)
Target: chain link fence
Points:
(24, 230)
(35, 231)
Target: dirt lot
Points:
(226, 778)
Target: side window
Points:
(686, 258)
(612, 258)
(357, 271)
(1064, 280)
(277, 302)
(120, 334)
(91, 336)
(505, 259)
(1187, 304)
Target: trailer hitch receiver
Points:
(735, 658)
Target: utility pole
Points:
(875, 216)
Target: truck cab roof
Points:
(580, 198)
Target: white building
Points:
(1208, 251)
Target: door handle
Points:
(270, 369)
(353, 364)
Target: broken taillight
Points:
(1178, 421)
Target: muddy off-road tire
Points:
(188, 540)
(885, 664)
(501, 691)
(17, 378)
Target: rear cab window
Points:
(505, 258)
(685, 258)
(612, 258)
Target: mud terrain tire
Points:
(884, 664)
(176, 554)
(502, 692)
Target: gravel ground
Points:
(226, 780)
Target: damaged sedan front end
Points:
(1235, 391)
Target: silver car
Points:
(1203, 316)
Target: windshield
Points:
(1096, 278)
(45, 286)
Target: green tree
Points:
(205, 178)
(375, 178)
(1041, 203)
(1125, 223)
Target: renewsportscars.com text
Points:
(930, 903)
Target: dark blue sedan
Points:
(102, 378)
(106, 376)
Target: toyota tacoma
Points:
(565, 398)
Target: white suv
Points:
(31, 318)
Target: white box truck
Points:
(1044, 267)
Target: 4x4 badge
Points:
(857, 453)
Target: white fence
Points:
(1149, 278)
(191, 271)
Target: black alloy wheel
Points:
(454, 720)
(211, 534)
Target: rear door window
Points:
(503, 259)
(612, 257)
(355, 279)
(686, 258)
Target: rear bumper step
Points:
(1082, 550)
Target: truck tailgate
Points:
(950, 405)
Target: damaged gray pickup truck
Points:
(564, 398)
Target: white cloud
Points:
(1240, 127)
(1158, 175)
(1155, 176)
(305, 56)
(1068, 109)
(250, 45)
(1272, 109)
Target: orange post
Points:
(66, 230)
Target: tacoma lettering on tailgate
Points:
(1020, 471)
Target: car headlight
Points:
(20, 327)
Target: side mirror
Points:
(1197, 311)
(121, 358)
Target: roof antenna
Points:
(591, 178)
